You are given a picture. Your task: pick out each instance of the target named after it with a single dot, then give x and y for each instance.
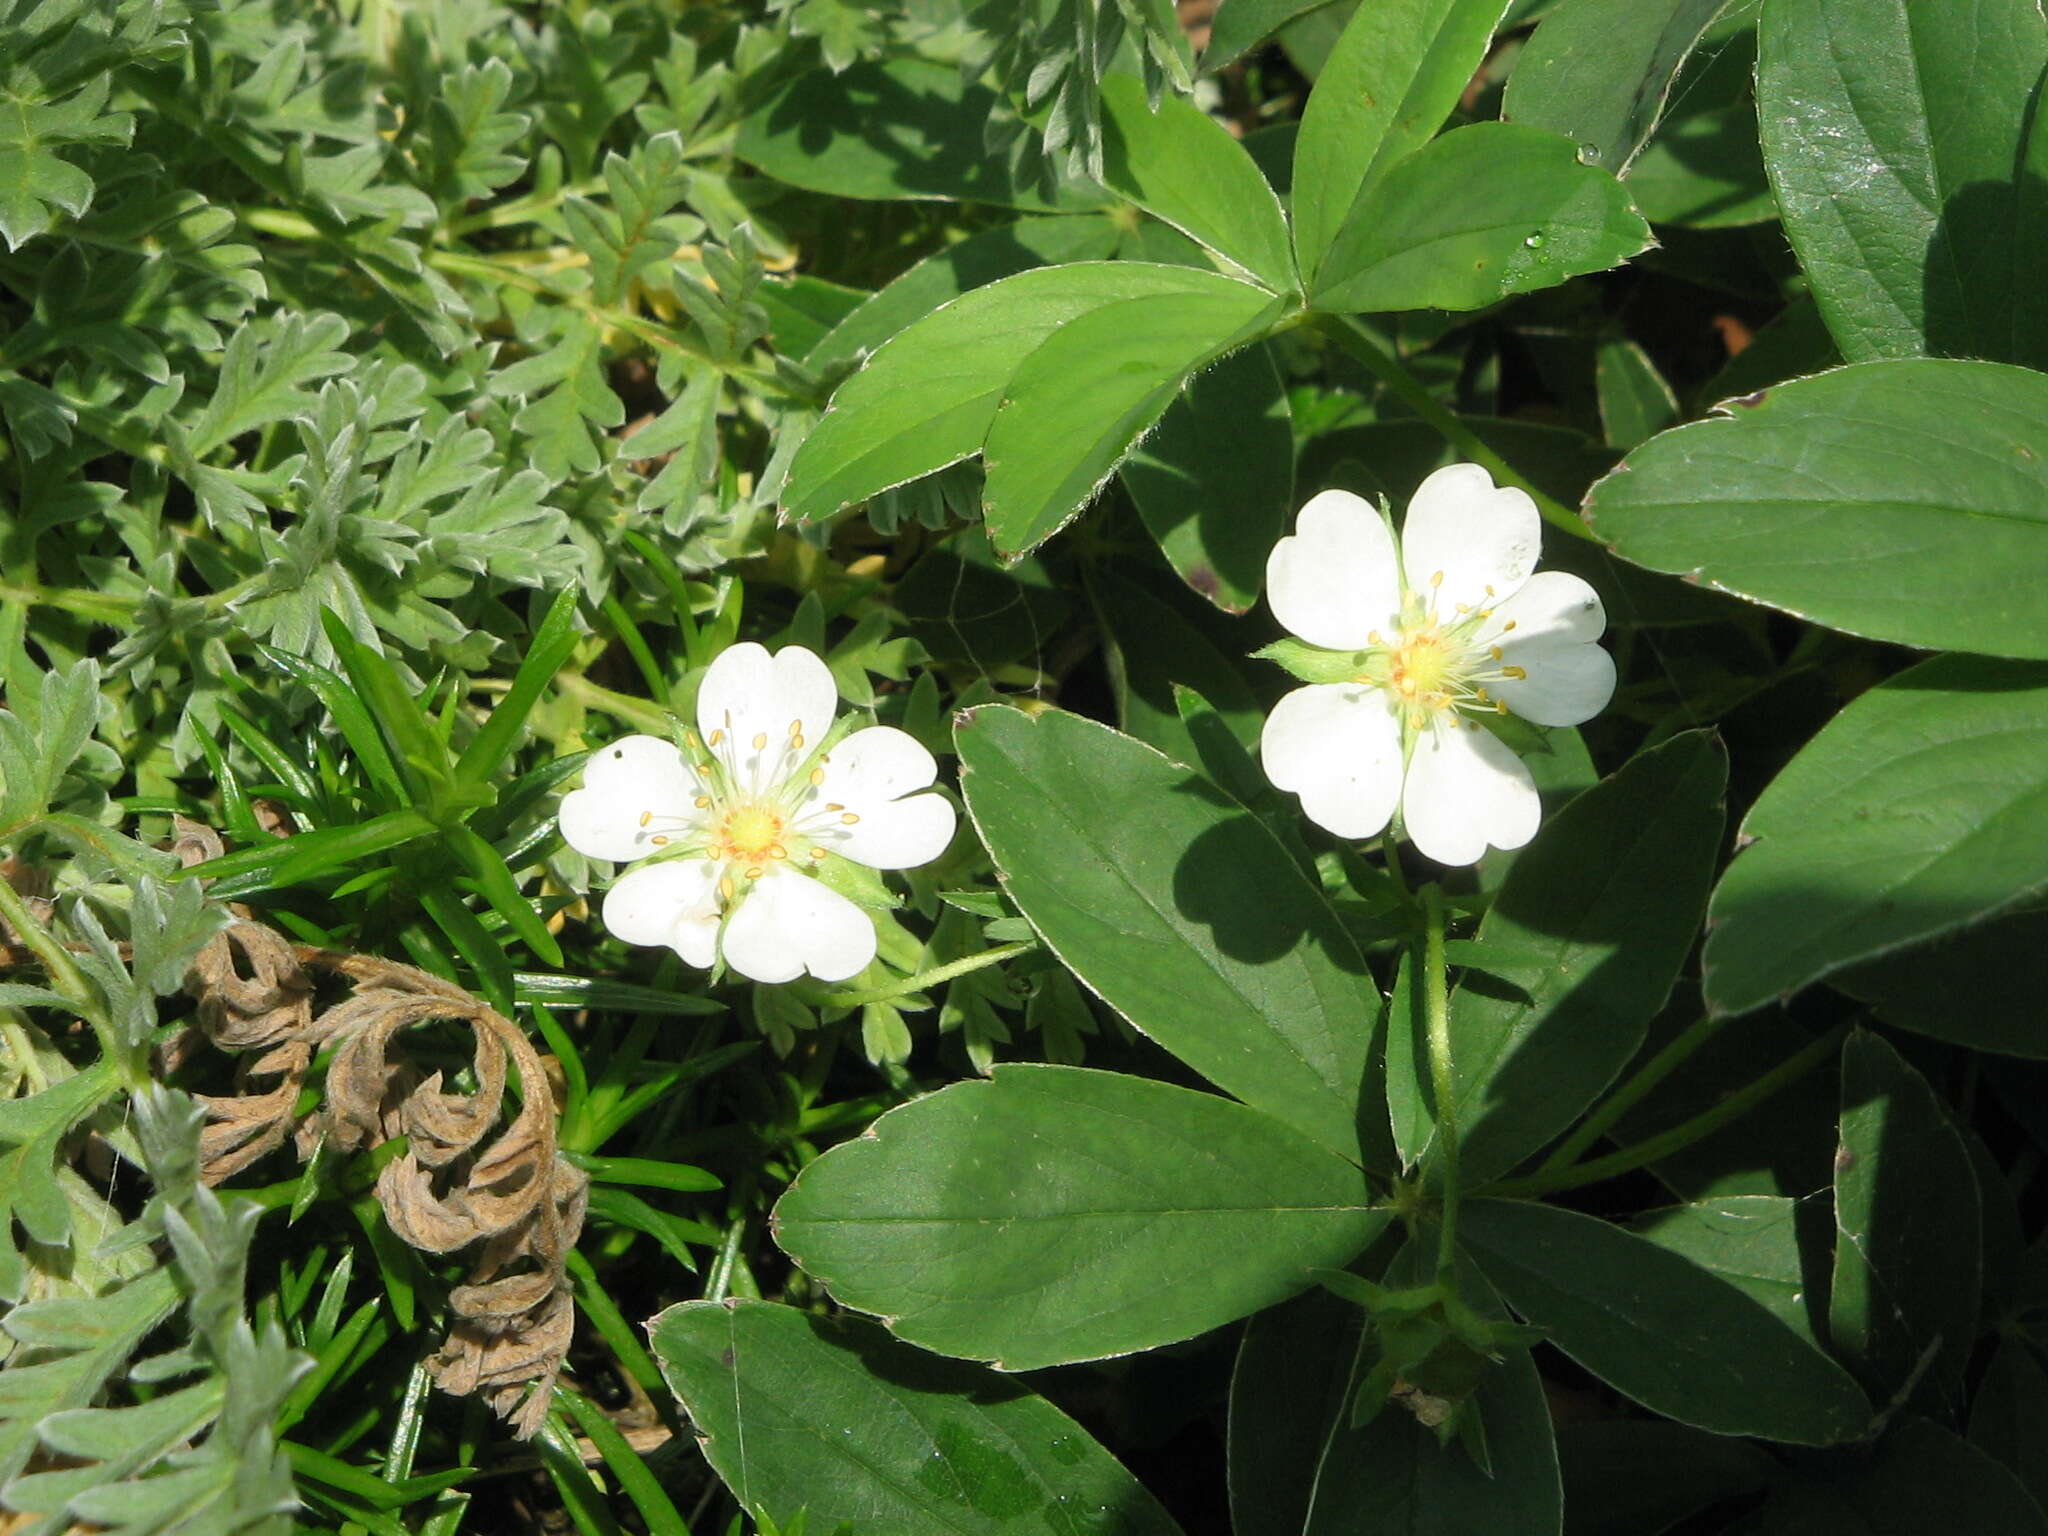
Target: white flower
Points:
(742, 820)
(1407, 643)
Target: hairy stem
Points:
(1631, 1093)
(1681, 1136)
(1436, 1001)
(930, 978)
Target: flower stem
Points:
(1436, 1002)
(1631, 1093)
(1384, 366)
(1681, 1136)
(930, 978)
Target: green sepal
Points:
(1314, 664)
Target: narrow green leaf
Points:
(647, 1172)
(1393, 77)
(833, 1416)
(1181, 910)
(495, 884)
(1918, 1478)
(292, 860)
(1904, 501)
(1656, 1327)
(1903, 143)
(1180, 165)
(1611, 893)
(1054, 1214)
(1241, 25)
(354, 721)
(596, 992)
(926, 398)
(1903, 1307)
(1600, 71)
(1483, 212)
(545, 653)
(1845, 859)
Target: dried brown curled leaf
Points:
(461, 1180)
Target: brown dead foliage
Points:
(462, 1180)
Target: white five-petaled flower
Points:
(1409, 642)
(736, 826)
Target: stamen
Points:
(777, 851)
(1489, 591)
(717, 737)
(817, 853)
(760, 740)
(1517, 673)
(1463, 607)
(754, 873)
(1511, 623)
(659, 841)
(849, 818)
(1373, 638)
(796, 739)
(817, 776)
(646, 817)
(1494, 651)
(703, 802)
(834, 805)
(725, 886)
(1436, 579)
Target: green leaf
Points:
(1181, 165)
(1241, 25)
(907, 128)
(1901, 139)
(1903, 1307)
(570, 403)
(927, 398)
(1611, 894)
(1054, 1214)
(1486, 211)
(545, 653)
(1920, 1478)
(1623, 1477)
(1214, 482)
(2009, 1414)
(1980, 987)
(1394, 76)
(944, 275)
(79, 1343)
(1752, 1242)
(291, 860)
(1658, 1328)
(1904, 501)
(1600, 71)
(1180, 910)
(1078, 403)
(861, 1432)
(1918, 809)
(1155, 650)
(1635, 402)
(35, 181)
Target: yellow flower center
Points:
(1425, 668)
(750, 833)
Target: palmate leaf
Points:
(634, 232)
(568, 399)
(43, 737)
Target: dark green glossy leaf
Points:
(1483, 212)
(1180, 909)
(1903, 1308)
(1394, 75)
(926, 399)
(545, 653)
(1635, 402)
(1611, 893)
(1054, 1214)
(1752, 1242)
(1180, 165)
(1900, 137)
(1658, 1328)
(1905, 501)
(1600, 71)
(1241, 25)
(1848, 856)
(1214, 482)
(834, 1417)
(1157, 650)
(1077, 404)
(1920, 1478)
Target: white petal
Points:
(631, 778)
(674, 902)
(864, 777)
(1552, 604)
(1460, 526)
(1466, 790)
(789, 924)
(1333, 581)
(749, 696)
(1338, 746)
(1569, 681)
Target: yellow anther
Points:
(717, 737)
(1464, 607)
(817, 853)
(1494, 651)
(659, 842)
(754, 873)
(725, 886)
(703, 802)
(817, 776)
(1499, 708)
(1511, 623)
(849, 818)
(1373, 638)
(834, 805)
(760, 740)
(1436, 579)
(1517, 673)
(777, 851)
(1489, 591)
(796, 728)
(796, 739)
(646, 817)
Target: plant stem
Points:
(1681, 1136)
(1384, 366)
(648, 716)
(1632, 1093)
(1437, 1005)
(930, 978)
